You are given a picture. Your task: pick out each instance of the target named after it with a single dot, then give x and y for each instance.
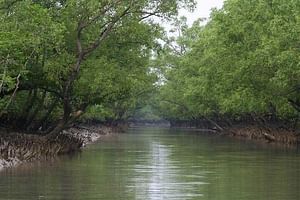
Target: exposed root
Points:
(16, 148)
(267, 134)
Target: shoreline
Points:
(18, 148)
(266, 134)
(254, 132)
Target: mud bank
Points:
(269, 132)
(17, 148)
(270, 135)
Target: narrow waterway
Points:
(161, 164)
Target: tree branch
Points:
(105, 33)
(31, 87)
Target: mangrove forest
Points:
(74, 71)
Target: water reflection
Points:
(155, 164)
(159, 178)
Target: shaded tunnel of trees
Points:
(67, 60)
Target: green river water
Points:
(161, 164)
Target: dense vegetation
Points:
(243, 65)
(63, 58)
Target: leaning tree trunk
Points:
(32, 116)
(215, 124)
(295, 104)
(45, 118)
(67, 120)
(57, 129)
(82, 54)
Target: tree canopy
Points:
(61, 58)
(244, 62)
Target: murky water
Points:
(159, 164)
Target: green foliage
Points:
(61, 58)
(244, 61)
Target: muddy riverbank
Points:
(17, 148)
(270, 133)
(267, 134)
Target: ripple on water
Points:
(154, 164)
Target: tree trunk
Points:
(67, 121)
(57, 129)
(35, 112)
(295, 104)
(29, 103)
(215, 124)
(42, 122)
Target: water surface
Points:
(161, 164)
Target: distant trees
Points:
(245, 63)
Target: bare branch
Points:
(103, 11)
(82, 25)
(149, 14)
(105, 32)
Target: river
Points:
(161, 164)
